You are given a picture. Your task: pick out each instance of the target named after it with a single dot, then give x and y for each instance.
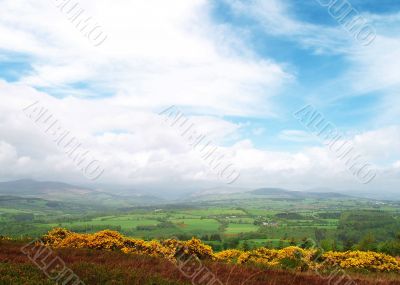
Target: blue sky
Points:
(317, 75)
(239, 69)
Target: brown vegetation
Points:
(110, 267)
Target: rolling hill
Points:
(237, 194)
(67, 193)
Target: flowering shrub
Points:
(153, 248)
(229, 255)
(108, 240)
(56, 236)
(73, 240)
(369, 260)
(290, 257)
(195, 247)
(112, 240)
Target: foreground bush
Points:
(369, 260)
(152, 248)
(288, 258)
(112, 267)
(229, 255)
(112, 240)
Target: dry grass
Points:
(103, 267)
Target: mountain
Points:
(43, 189)
(283, 193)
(219, 190)
(237, 194)
(58, 191)
(17, 205)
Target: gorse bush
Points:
(369, 260)
(291, 257)
(194, 247)
(112, 240)
(152, 248)
(229, 255)
(56, 236)
(108, 240)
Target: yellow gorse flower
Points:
(172, 249)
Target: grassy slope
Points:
(100, 267)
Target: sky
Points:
(238, 70)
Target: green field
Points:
(222, 224)
(197, 225)
(125, 224)
(240, 228)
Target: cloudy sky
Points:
(237, 69)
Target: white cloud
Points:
(375, 68)
(371, 69)
(153, 58)
(277, 18)
(136, 147)
(396, 164)
(258, 131)
(172, 55)
(297, 136)
(380, 145)
(7, 153)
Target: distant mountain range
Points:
(43, 189)
(263, 193)
(76, 195)
(63, 192)
(283, 193)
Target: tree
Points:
(269, 244)
(307, 243)
(368, 242)
(245, 246)
(205, 238)
(327, 244)
(320, 234)
(216, 237)
(390, 247)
